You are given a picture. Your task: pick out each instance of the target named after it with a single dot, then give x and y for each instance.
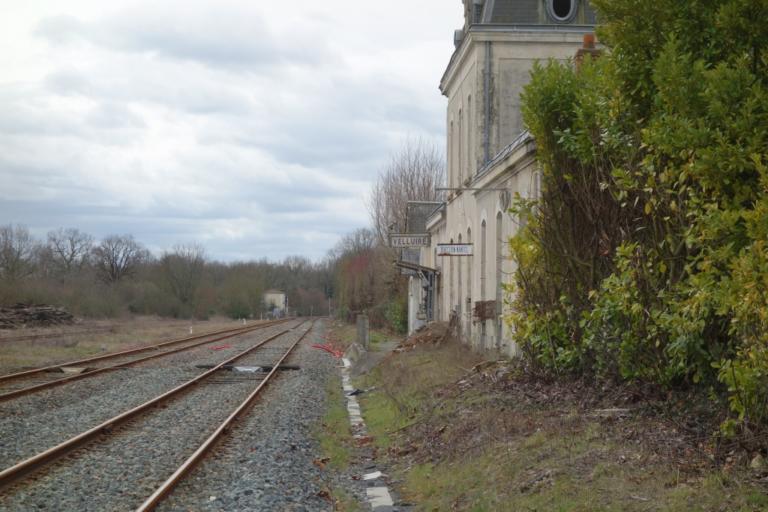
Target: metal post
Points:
(363, 335)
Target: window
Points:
(470, 270)
(470, 134)
(459, 265)
(562, 11)
(499, 276)
(460, 148)
(483, 257)
(451, 162)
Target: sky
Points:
(253, 128)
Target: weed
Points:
(334, 434)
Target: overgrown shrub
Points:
(396, 313)
(645, 258)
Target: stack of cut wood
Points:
(33, 315)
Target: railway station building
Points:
(490, 155)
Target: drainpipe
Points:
(487, 104)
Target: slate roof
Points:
(416, 215)
(526, 12)
(512, 11)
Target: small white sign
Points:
(405, 241)
(454, 249)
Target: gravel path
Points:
(118, 473)
(266, 461)
(42, 420)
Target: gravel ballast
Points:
(266, 461)
(120, 471)
(32, 423)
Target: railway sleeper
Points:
(265, 368)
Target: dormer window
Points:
(562, 11)
(477, 11)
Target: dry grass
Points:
(494, 439)
(92, 338)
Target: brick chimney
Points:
(588, 48)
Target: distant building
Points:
(275, 302)
(490, 155)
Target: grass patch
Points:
(343, 502)
(334, 434)
(347, 334)
(459, 442)
(69, 346)
(335, 437)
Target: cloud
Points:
(217, 35)
(248, 126)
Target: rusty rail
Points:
(25, 467)
(10, 395)
(167, 487)
(33, 371)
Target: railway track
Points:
(38, 379)
(150, 438)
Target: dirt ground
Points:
(34, 347)
(463, 434)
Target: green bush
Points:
(645, 258)
(396, 313)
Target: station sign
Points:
(406, 241)
(454, 249)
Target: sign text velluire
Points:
(454, 249)
(405, 241)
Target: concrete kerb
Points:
(377, 493)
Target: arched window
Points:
(451, 162)
(500, 243)
(470, 271)
(460, 145)
(452, 270)
(459, 265)
(562, 11)
(483, 257)
(470, 137)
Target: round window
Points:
(562, 11)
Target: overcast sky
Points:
(253, 127)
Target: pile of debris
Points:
(431, 334)
(33, 315)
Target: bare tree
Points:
(413, 174)
(118, 257)
(17, 251)
(356, 242)
(183, 271)
(69, 249)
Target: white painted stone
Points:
(379, 497)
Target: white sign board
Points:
(405, 241)
(454, 249)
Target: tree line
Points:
(118, 275)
